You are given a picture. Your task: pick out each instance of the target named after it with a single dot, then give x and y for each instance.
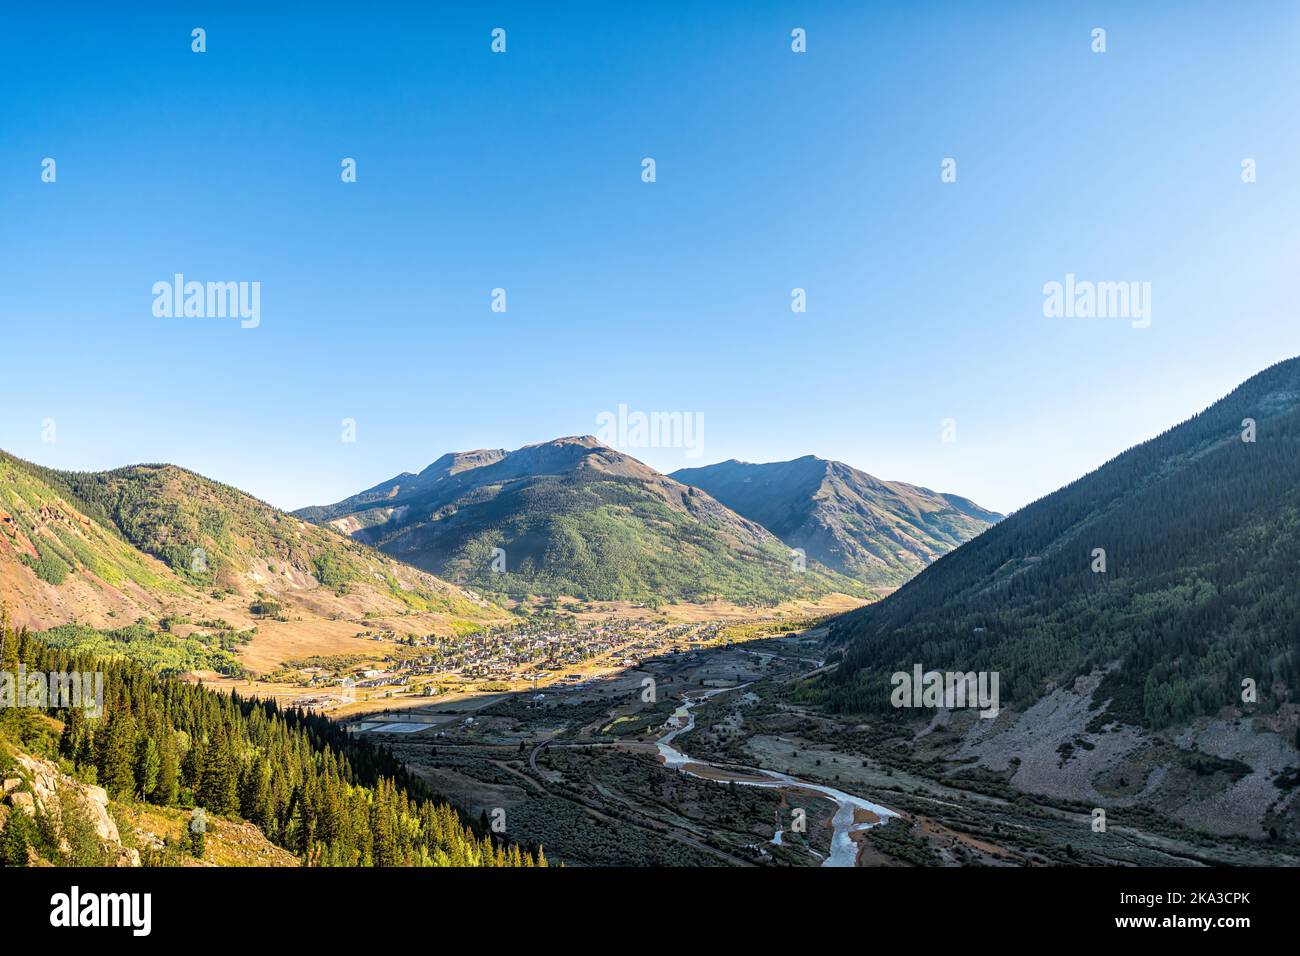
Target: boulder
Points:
(23, 801)
(47, 783)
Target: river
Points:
(844, 851)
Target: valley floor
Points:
(581, 769)
(304, 663)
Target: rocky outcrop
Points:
(40, 788)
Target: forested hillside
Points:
(213, 535)
(575, 517)
(331, 799)
(1200, 529)
(183, 573)
(880, 532)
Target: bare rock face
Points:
(50, 788)
(23, 802)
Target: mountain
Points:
(1201, 537)
(880, 532)
(1143, 621)
(157, 541)
(574, 517)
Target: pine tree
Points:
(85, 759)
(383, 825)
(305, 829)
(19, 834)
(218, 790)
(147, 765)
(116, 758)
(167, 786)
(70, 739)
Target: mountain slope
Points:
(162, 747)
(574, 517)
(57, 564)
(881, 532)
(155, 541)
(1201, 534)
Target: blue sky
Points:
(775, 170)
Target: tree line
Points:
(332, 799)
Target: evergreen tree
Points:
(85, 758)
(19, 834)
(218, 789)
(166, 788)
(70, 739)
(147, 765)
(116, 757)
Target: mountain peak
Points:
(457, 461)
(1194, 532)
(586, 441)
(576, 517)
(881, 532)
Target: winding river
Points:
(844, 851)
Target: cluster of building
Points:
(549, 651)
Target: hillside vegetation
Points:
(574, 517)
(214, 535)
(329, 798)
(181, 572)
(879, 532)
(1201, 537)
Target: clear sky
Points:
(522, 171)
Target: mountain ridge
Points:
(1142, 623)
(574, 516)
(159, 541)
(881, 532)
(1196, 528)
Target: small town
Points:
(499, 659)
